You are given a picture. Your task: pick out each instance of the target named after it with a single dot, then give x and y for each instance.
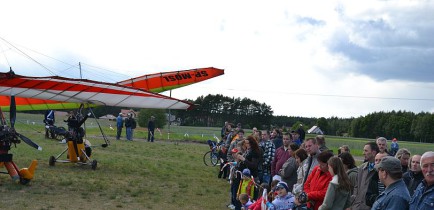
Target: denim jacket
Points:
(395, 196)
(423, 197)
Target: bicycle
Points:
(211, 158)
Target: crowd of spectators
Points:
(275, 170)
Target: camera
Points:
(303, 197)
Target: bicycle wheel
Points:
(207, 158)
(210, 158)
(214, 158)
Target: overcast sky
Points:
(303, 58)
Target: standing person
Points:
(382, 145)
(224, 130)
(414, 176)
(269, 152)
(394, 147)
(376, 187)
(129, 124)
(351, 170)
(252, 156)
(301, 157)
(255, 132)
(396, 195)
(228, 137)
(403, 155)
(289, 168)
(245, 201)
(296, 137)
(276, 136)
(344, 148)
(302, 133)
(247, 185)
(119, 126)
(423, 197)
(315, 187)
(312, 150)
(69, 121)
(339, 190)
(238, 137)
(49, 121)
(365, 173)
(282, 154)
(284, 199)
(151, 129)
(320, 140)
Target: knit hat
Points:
(282, 185)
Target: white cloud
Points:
(301, 59)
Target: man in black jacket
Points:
(414, 176)
(151, 128)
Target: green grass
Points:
(130, 175)
(167, 174)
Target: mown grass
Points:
(167, 174)
(130, 175)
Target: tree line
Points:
(214, 110)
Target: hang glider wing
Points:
(26, 104)
(36, 93)
(164, 81)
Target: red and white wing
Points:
(54, 90)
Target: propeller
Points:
(13, 117)
(29, 142)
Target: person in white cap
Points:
(119, 126)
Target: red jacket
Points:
(256, 205)
(316, 186)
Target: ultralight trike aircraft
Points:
(8, 137)
(78, 149)
(54, 92)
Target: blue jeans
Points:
(118, 133)
(129, 134)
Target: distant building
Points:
(126, 111)
(315, 130)
(108, 116)
(173, 120)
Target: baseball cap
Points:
(389, 164)
(246, 172)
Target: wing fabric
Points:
(51, 90)
(26, 104)
(164, 81)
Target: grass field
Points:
(167, 174)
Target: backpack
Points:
(133, 124)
